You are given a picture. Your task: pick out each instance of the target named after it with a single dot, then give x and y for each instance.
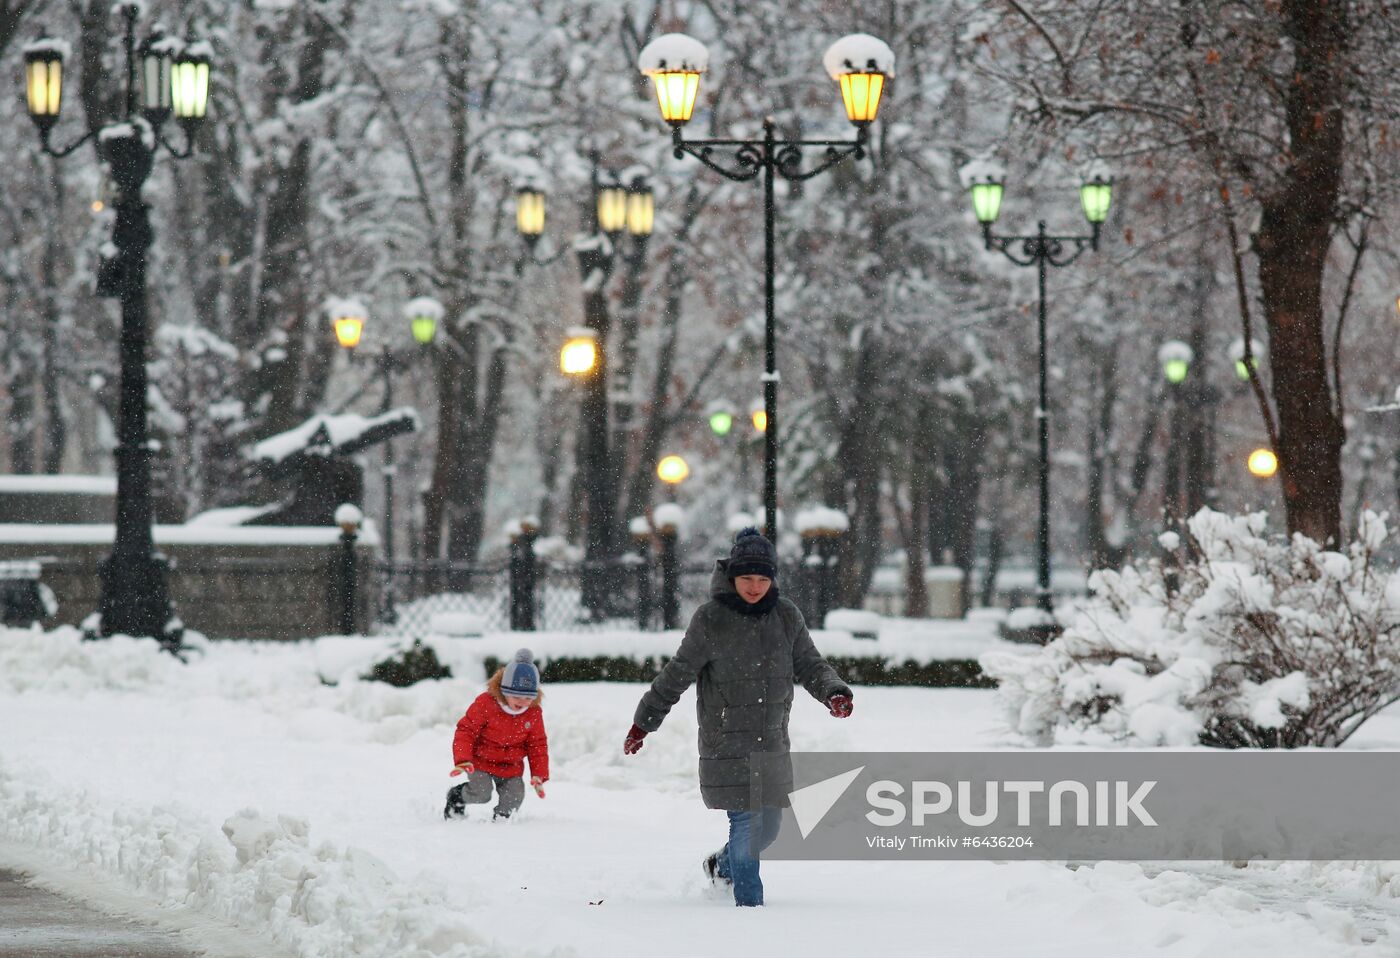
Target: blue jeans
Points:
(749, 834)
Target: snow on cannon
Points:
(313, 468)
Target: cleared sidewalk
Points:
(39, 924)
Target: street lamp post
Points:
(1041, 250)
(164, 76)
(348, 317)
(615, 208)
(1175, 358)
(860, 64)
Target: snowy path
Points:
(125, 767)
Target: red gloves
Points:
(466, 767)
(537, 784)
(633, 744)
(840, 705)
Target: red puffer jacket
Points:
(497, 742)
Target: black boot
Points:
(710, 866)
(456, 808)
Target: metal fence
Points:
(418, 598)
(637, 590)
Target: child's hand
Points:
(460, 768)
(537, 784)
(633, 743)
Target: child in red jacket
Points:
(501, 728)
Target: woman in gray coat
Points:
(746, 647)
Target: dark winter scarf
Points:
(733, 600)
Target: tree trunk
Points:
(1104, 390)
(915, 585)
(1201, 398)
(1292, 244)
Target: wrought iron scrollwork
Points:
(782, 157)
(1028, 250)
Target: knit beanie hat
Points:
(752, 554)
(521, 677)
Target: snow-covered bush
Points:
(1250, 642)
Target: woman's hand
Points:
(840, 705)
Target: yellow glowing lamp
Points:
(348, 319)
(641, 208)
(348, 330)
(760, 420)
(580, 352)
(612, 207)
(43, 79)
(1263, 463)
(860, 64)
(189, 81)
(672, 470)
(529, 213)
(674, 62)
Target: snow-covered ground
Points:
(243, 790)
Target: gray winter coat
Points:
(746, 666)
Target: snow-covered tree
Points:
(1247, 641)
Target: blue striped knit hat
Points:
(521, 677)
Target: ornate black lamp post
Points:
(1041, 250)
(615, 208)
(860, 64)
(348, 317)
(164, 76)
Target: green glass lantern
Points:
(1096, 195)
(423, 315)
(1175, 358)
(986, 199)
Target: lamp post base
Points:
(136, 599)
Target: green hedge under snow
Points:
(947, 674)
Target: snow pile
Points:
(48, 46)
(1251, 642)
(858, 53)
(59, 485)
(981, 170)
(62, 661)
(673, 53)
(262, 873)
(821, 520)
(669, 517)
(424, 306)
